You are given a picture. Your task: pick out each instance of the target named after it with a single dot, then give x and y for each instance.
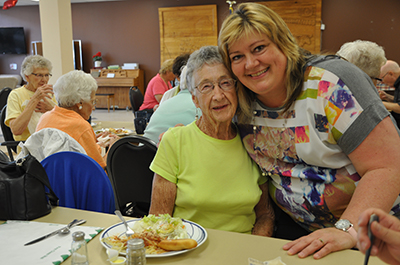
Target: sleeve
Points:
(165, 163)
(88, 142)
(13, 108)
(159, 87)
(353, 106)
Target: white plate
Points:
(195, 231)
(93, 124)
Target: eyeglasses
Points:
(225, 84)
(41, 76)
(381, 79)
(378, 79)
(94, 102)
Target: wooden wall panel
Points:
(303, 19)
(186, 29)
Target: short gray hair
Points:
(34, 61)
(366, 55)
(74, 87)
(205, 55)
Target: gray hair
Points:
(366, 55)
(205, 55)
(74, 87)
(182, 82)
(34, 61)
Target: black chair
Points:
(4, 96)
(136, 98)
(10, 143)
(128, 162)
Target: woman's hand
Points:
(321, 242)
(387, 236)
(44, 106)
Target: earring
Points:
(80, 107)
(197, 114)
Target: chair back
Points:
(136, 98)
(7, 135)
(4, 96)
(79, 182)
(128, 162)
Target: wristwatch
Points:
(346, 226)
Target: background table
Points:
(220, 248)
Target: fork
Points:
(129, 231)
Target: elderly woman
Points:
(310, 123)
(157, 86)
(76, 96)
(366, 55)
(26, 104)
(202, 171)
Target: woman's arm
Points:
(163, 196)
(265, 215)
(376, 160)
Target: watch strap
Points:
(352, 232)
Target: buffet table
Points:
(220, 247)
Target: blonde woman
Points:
(312, 126)
(157, 86)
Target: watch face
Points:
(343, 224)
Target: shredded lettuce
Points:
(164, 225)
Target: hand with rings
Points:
(320, 243)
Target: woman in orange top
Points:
(75, 93)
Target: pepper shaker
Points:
(135, 252)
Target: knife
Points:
(73, 223)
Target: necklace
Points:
(279, 151)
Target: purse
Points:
(142, 117)
(22, 190)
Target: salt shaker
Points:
(135, 252)
(79, 254)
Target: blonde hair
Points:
(251, 18)
(166, 66)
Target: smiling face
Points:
(260, 66)
(218, 106)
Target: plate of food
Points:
(162, 235)
(116, 131)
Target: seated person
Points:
(202, 171)
(76, 96)
(390, 75)
(26, 104)
(177, 67)
(157, 86)
(366, 55)
(176, 110)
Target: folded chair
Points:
(79, 182)
(128, 162)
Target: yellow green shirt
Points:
(217, 182)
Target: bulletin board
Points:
(303, 19)
(186, 29)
